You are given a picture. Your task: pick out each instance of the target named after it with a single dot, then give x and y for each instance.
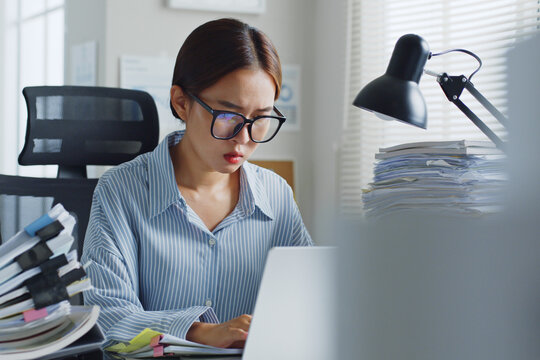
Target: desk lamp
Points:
(396, 95)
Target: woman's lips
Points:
(233, 157)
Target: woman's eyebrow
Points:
(238, 107)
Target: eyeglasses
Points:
(227, 124)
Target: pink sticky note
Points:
(31, 315)
(155, 340)
(158, 351)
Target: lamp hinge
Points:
(452, 85)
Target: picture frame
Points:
(235, 6)
(290, 97)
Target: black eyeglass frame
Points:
(216, 113)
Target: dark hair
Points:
(219, 47)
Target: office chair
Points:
(75, 126)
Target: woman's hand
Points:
(230, 334)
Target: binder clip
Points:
(48, 287)
(40, 252)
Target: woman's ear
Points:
(180, 101)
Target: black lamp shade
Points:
(396, 95)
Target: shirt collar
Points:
(161, 180)
(252, 192)
(164, 190)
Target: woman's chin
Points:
(229, 168)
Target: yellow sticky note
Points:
(117, 347)
(139, 341)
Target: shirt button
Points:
(208, 302)
(211, 242)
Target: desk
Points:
(92, 355)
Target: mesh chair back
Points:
(75, 126)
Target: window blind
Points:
(486, 27)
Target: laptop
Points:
(294, 314)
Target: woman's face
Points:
(246, 91)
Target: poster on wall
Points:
(289, 98)
(152, 74)
(84, 64)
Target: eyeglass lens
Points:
(227, 125)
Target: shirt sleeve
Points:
(299, 235)
(110, 253)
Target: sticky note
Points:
(31, 315)
(141, 340)
(158, 351)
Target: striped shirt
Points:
(154, 263)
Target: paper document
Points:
(148, 343)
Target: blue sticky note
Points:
(38, 224)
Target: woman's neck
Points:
(192, 173)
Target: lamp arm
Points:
(485, 103)
(480, 124)
(453, 87)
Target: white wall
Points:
(85, 21)
(147, 27)
(329, 104)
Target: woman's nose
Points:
(243, 136)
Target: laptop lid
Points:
(294, 314)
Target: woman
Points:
(178, 237)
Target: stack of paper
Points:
(454, 177)
(150, 343)
(38, 274)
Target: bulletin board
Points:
(284, 168)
